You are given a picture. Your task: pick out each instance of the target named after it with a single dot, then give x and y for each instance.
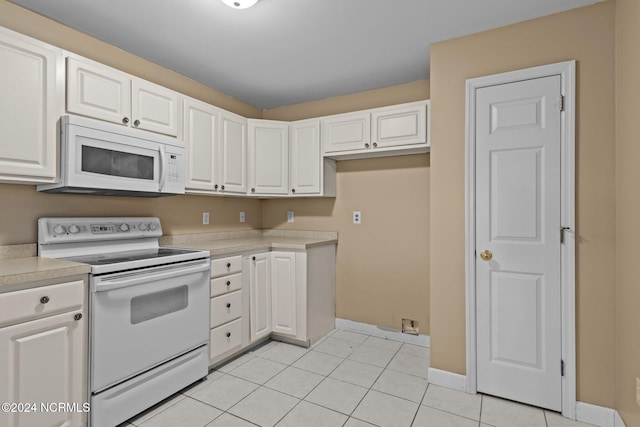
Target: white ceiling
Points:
(283, 52)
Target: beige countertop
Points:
(19, 265)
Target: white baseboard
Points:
(598, 415)
(447, 379)
(380, 332)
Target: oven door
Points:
(142, 318)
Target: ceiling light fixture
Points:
(240, 4)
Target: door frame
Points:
(567, 72)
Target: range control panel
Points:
(61, 230)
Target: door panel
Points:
(518, 299)
(232, 156)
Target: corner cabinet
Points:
(386, 131)
(104, 93)
(43, 341)
(310, 173)
(283, 293)
(232, 154)
(31, 102)
(268, 157)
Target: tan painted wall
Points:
(627, 209)
(382, 264)
(34, 25)
(587, 35)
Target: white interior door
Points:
(518, 290)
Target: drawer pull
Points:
(44, 300)
(228, 305)
(228, 282)
(78, 316)
(228, 265)
(228, 334)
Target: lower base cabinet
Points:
(43, 356)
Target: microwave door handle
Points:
(163, 168)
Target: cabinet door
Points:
(200, 134)
(283, 293)
(346, 132)
(232, 153)
(401, 125)
(154, 108)
(98, 91)
(306, 157)
(31, 84)
(268, 157)
(260, 295)
(43, 361)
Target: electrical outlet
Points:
(638, 391)
(289, 216)
(357, 217)
(205, 218)
(242, 217)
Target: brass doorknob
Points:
(486, 255)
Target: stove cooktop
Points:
(128, 256)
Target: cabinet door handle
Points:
(44, 300)
(253, 258)
(125, 120)
(375, 144)
(228, 305)
(215, 186)
(78, 316)
(228, 282)
(366, 145)
(293, 190)
(136, 123)
(222, 187)
(228, 265)
(253, 190)
(228, 334)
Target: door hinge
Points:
(561, 103)
(562, 368)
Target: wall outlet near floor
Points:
(205, 218)
(289, 216)
(242, 217)
(357, 217)
(638, 391)
(410, 327)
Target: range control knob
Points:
(124, 227)
(74, 229)
(152, 226)
(59, 229)
(143, 227)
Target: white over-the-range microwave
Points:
(108, 159)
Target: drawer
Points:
(225, 284)
(225, 338)
(226, 308)
(222, 266)
(19, 306)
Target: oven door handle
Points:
(142, 277)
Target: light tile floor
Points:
(346, 380)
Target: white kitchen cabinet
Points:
(200, 137)
(268, 157)
(260, 295)
(227, 308)
(232, 154)
(43, 354)
(98, 91)
(31, 102)
(346, 132)
(399, 125)
(284, 304)
(311, 174)
(386, 131)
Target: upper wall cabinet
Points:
(310, 173)
(104, 93)
(387, 131)
(232, 154)
(268, 157)
(200, 137)
(31, 94)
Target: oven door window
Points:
(116, 163)
(156, 304)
